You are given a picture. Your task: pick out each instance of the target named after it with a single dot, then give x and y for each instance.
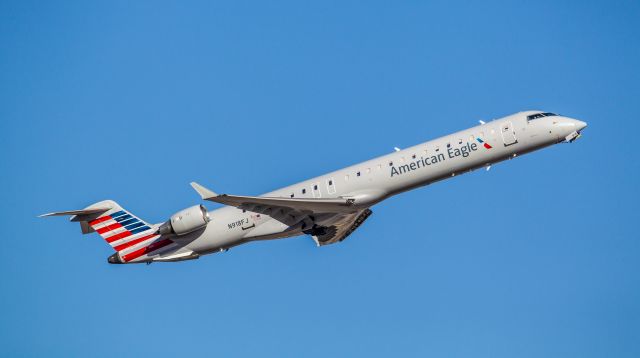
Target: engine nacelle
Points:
(186, 221)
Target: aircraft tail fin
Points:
(117, 226)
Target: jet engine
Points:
(186, 221)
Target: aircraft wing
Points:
(289, 211)
(311, 205)
(292, 211)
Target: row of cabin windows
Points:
(315, 187)
(472, 138)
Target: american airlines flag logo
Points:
(485, 144)
(128, 235)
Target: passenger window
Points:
(413, 156)
(315, 187)
(437, 148)
(390, 164)
(459, 141)
(292, 195)
(358, 174)
(304, 191)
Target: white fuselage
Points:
(374, 180)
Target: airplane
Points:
(329, 207)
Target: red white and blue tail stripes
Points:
(131, 237)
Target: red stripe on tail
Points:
(145, 250)
(117, 236)
(133, 242)
(99, 220)
(109, 228)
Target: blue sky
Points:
(132, 101)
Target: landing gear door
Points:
(508, 133)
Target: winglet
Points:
(204, 192)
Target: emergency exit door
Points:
(315, 190)
(508, 133)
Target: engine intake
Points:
(186, 221)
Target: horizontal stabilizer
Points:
(77, 212)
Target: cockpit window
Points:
(540, 115)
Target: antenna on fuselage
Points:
(396, 149)
(482, 122)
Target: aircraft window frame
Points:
(315, 186)
(414, 156)
(358, 174)
(391, 163)
(535, 116)
(292, 195)
(304, 190)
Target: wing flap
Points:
(342, 229)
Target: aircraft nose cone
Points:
(581, 125)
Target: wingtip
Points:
(204, 192)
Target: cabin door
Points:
(508, 133)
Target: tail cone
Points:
(114, 259)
